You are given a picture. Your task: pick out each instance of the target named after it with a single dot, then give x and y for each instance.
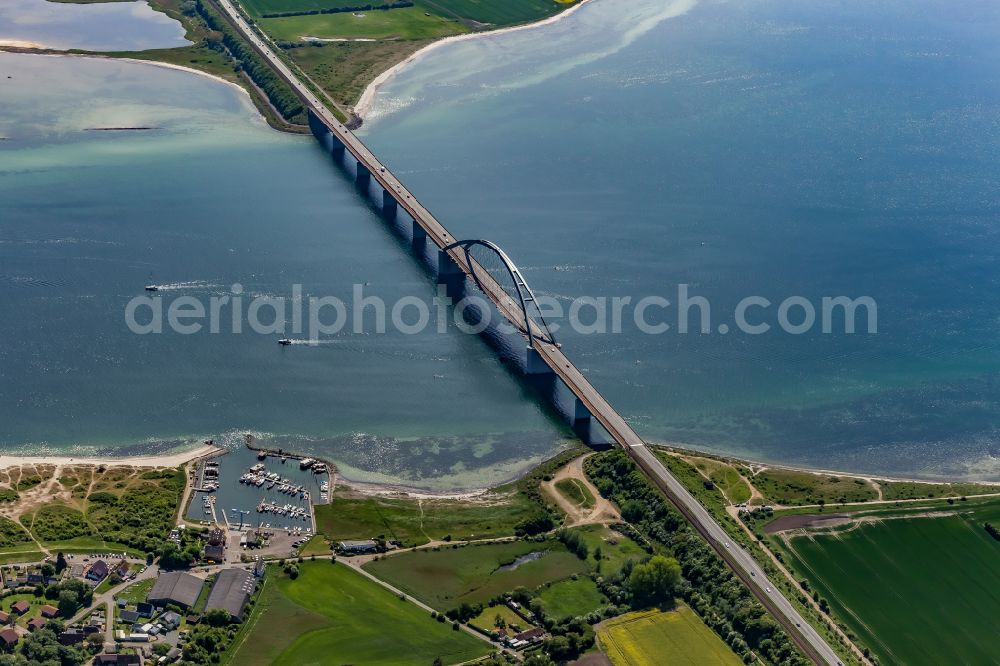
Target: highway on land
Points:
(740, 561)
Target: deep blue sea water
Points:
(776, 149)
(744, 148)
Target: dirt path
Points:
(603, 511)
(754, 493)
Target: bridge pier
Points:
(316, 125)
(419, 235)
(449, 275)
(419, 239)
(337, 148)
(534, 365)
(389, 204)
(447, 268)
(581, 415)
(364, 176)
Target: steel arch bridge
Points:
(482, 269)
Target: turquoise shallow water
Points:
(741, 148)
(210, 198)
(111, 26)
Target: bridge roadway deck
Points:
(741, 562)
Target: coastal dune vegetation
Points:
(518, 508)
(92, 507)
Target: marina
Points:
(244, 488)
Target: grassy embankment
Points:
(502, 512)
(331, 610)
(916, 582)
(671, 638)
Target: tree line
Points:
(705, 583)
(278, 92)
(337, 10)
(992, 530)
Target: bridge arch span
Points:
(535, 327)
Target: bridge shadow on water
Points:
(546, 389)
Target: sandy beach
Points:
(166, 460)
(20, 44)
(32, 48)
(368, 96)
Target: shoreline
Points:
(389, 489)
(38, 50)
(150, 461)
(681, 449)
(367, 99)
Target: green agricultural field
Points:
(261, 7)
(412, 523)
(448, 577)
(331, 610)
(571, 598)
(406, 23)
(496, 13)
(577, 493)
(795, 488)
(657, 638)
(916, 590)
